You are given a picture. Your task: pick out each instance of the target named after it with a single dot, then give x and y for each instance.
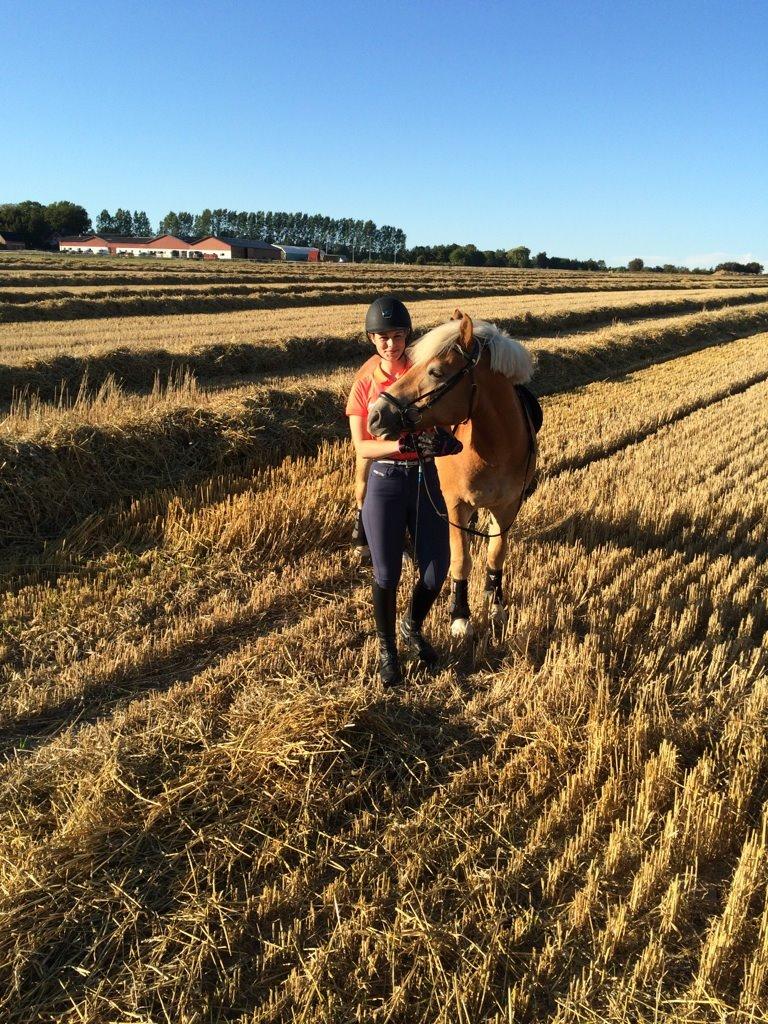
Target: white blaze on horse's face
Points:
(389, 419)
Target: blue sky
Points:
(601, 129)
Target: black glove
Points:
(431, 444)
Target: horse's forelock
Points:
(434, 343)
(508, 356)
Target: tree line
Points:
(37, 224)
(123, 222)
(741, 268)
(471, 256)
(343, 236)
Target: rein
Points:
(470, 529)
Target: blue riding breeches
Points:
(393, 500)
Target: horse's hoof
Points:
(462, 628)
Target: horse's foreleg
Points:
(461, 563)
(497, 549)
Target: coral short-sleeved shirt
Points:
(370, 381)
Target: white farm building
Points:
(170, 247)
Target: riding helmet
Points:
(387, 314)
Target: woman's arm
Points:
(370, 449)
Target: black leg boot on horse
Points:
(459, 609)
(411, 626)
(385, 612)
(494, 593)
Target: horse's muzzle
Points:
(384, 421)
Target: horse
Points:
(466, 374)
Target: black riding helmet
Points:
(387, 314)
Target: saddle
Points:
(531, 406)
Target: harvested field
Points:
(103, 288)
(64, 463)
(45, 357)
(209, 813)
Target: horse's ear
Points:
(466, 333)
(457, 314)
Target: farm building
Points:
(223, 248)
(11, 240)
(104, 245)
(171, 247)
(301, 253)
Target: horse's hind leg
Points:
(497, 549)
(461, 563)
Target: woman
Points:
(394, 498)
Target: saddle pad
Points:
(531, 404)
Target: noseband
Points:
(411, 412)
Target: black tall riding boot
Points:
(410, 627)
(384, 612)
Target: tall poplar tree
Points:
(141, 224)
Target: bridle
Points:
(411, 412)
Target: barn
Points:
(218, 247)
(11, 240)
(301, 253)
(167, 246)
(103, 245)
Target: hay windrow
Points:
(65, 464)
(46, 359)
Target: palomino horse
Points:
(464, 374)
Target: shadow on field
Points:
(605, 451)
(138, 371)
(560, 370)
(273, 851)
(49, 486)
(680, 534)
(79, 307)
(156, 672)
(55, 498)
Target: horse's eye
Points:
(436, 372)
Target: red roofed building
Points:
(211, 247)
(221, 248)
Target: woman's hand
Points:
(370, 449)
(431, 444)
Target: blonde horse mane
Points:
(508, 356)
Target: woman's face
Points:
(390, 344)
